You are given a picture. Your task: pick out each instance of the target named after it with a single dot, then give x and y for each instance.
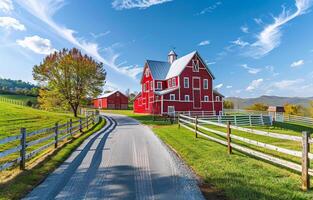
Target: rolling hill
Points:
(270, 100)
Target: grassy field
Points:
(25, 181)
(18, 98)
(237, 176)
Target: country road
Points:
(125, 160)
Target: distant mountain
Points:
(270, 100)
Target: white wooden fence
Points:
(41, 140)
(198, 126)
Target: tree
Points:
(293, 109)
(258, 107)
(71, 75)
(228, 104)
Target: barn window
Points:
(169, 82)
(186, 82)
(195, 65)
(187, 98)
(206, 98)
(205, 84)
(147, 72)
(117, 94)
(217, 98)
(172, 97)
(174, 82)
(144, 87)
(159, 85)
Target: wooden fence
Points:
(197, 125)
(13, 101)
(40, 140)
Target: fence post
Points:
(56, 135)
(80, 125)
(262, 120)
(235, 120)
(250, 121)
(87, 122)
(178, 120)
(23, 149)
(196, 126)
(229, 149)
(93, 118)
(305, 161)
(71, 125)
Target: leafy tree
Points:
(72, 76)
(228, 104)
(258, 107)
(293, 109)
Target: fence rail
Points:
(41, 140)
(197, 125)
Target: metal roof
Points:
(109, 94)
(161, 70)
(165, 91)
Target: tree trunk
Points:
(74, 109)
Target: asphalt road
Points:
(125, 160)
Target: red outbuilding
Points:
(180, 84)
(115, 100)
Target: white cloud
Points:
(229, 86)
(210, 8)
(219, 86)
(37, 44)
(44, 10)
(204, 43)
(258, 21)
(270, 37)
(240, 42)
(251, 70)
(254, 85)
(10, 23)
(6, 6)
(129, 4)
(287, 84)
(297, 63)
(96, 36)
(271, 69)
(245, 29)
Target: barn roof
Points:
(217, 93)
(109, 94)
(161, 70)
(162, 92)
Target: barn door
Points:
(196, 92)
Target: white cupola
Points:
(172, 56)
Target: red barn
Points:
(112, 100)
(180, 84)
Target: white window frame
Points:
(205, 84)
(159, 85)
(195, 65)
(147, 72)
(217, 98)
(187, 99)
(169, 83)
(173, 82)
(186, 79)
(173, 108)
(151, 85)
(206, 98)
(172, 97)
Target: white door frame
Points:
(193, 89)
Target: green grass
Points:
(27, 180)
(238, 176)
(17, 99)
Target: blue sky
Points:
(253, 47)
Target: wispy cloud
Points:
(210, 8)
(297, 64)
(204, 43)
(244, 29)
(258, 21)
(37, 44)
(219, 86)
(10, 23)
(99, 35)
(240, 43)
(229, 86)
(254, 85)
(6, 6)
(270, 37)
(44, 10)
(142, 4)
(288, 84)
(251, 70)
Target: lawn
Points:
(238, 176)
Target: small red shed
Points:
(115, 100)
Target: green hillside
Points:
(17, 99)
(13, 117)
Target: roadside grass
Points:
(25, 181)
(238, 176)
